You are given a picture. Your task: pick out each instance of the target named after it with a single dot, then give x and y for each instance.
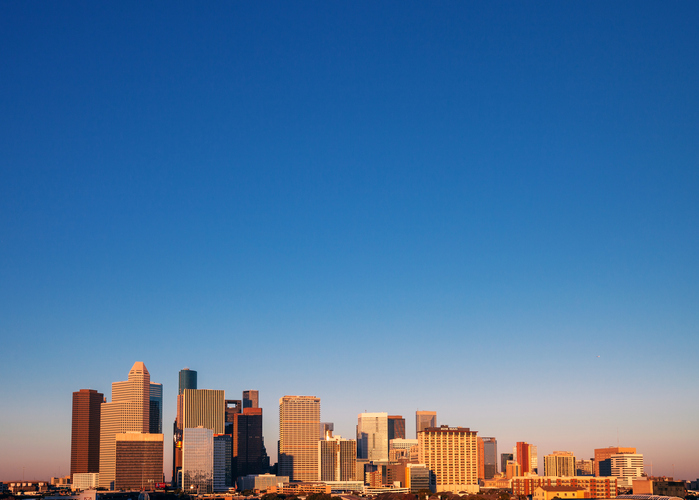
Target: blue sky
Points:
(454, 207)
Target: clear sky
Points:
(489, 210)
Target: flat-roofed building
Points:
(204, 408)
(260, 482)
(419, 478)
(372, 436)
(425, 419)
(299, 421)
(451, 453)
(396, 427)
(85, 481)
(139, 460)
(559, 463)
(197, 460)
(490, 457)
(337, 459)
(627, 467)
(223, 467)
(155, 416)
(85, 435)
(603, 464)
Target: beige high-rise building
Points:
(337, 459)
(372, 436)
(451, 453)
(129, 411)
(203, 408)
(299, 421)
(559, 464)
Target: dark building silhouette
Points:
(504, 458)
(156, 409)
(396, 427)
(85, 435)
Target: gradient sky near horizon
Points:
(489, 210)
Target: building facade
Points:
(425, 419)
(451, 454)
(603, 464)
(197, 460)
(299, 421)
(155, 417)
(85, 432)
(490, 457)
(626, 467)
(337, 459)
(223, 462)
(372, 436)
(139, 460)
(595, 487)
(251, 399)
(396, 427)
(559, 464)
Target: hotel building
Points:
(451, 453)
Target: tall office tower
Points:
(523, 456)
(490, 457)
(299, 418)
(139, 460)
(223, 466)
(559, 464)
(372, 436)
(188, 380)
(85, 436)
(129, 411)
(396, 427)
(425, 419)
(504, 458)
(251, 399)
(451, 453)
(249, 447)
(337, 459)
(325, 428)
(156, 408)
(203, 408)
(603, 464)
(197, 460)
(626, 467)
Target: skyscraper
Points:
(197, 460)
(223, 465)
(451, 453)
(372, 436)
(251, 399)
(337, 459)
(626, 467)
(250, 453)
(490, 455)
(85, 436)
(203, 408)
(129, 411)
(559, 464)
(425, 419)
(299, 420)
(396, 427)
(156, 408)
(187, 379)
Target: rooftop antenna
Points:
(617, 437)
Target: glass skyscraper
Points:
(197, 460)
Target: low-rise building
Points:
(85, 481)
(595, 487)
(563, 492)
(260, 482)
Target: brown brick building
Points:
(85, 435)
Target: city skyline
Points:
(488, 211)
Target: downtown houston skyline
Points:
(486, 211)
